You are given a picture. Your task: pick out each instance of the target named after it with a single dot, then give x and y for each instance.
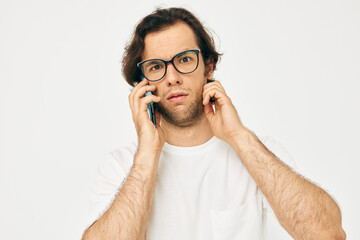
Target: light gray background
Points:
(290, 67)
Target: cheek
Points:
(159, 90)
(201, 81)
(200, 88)
(157, 86)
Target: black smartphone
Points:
(151, 110)
(212, 99)
(150, 107)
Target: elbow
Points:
(333, 234)
(333, 229)
(339, 235)
(85, 235)
(342, 234)
(329, 232)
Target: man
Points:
(199, 173)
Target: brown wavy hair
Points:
(157, 21)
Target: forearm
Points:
(127, 217)
(302, 208)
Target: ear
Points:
(209, 68)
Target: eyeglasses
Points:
(184, 62)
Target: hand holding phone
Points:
(150, 107)
(150, 139)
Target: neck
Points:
(194, 135)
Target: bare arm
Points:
(127, 216)
(302, 208)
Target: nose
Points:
(172, 75)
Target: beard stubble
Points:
(183, 118)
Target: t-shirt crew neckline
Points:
(176, 149)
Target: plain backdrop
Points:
(291, 69)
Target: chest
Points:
(201, 196)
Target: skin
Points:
(302, 208)
(165, 45)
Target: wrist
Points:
(146, 162)
(148, 152)
(241, 140)
(147, 157)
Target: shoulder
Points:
(118, 161)
(278, 149)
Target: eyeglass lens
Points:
(184, 62)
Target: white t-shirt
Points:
(202, 192)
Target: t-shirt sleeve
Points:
(279, 151)
(112, 173)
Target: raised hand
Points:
(225, 122)
(150, 138)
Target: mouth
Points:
(177, 97)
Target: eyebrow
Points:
(184, 50)
(182, 53)
(152, 61)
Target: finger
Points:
(220, 93)
(212, 84)
(207, 88)
(139, 93)
(217, 107)
(146, 100)
(209, 111)
(205, 93)
(138, 86)
(208, 85)
(212, 92)
(142, 83)
(219, 85)
(219, 96)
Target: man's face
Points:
(188, 109)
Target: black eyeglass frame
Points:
(139, 65)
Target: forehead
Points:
(166, 43)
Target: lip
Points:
(177, 96)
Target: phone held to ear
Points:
(151, 110)
(212, 99)
(150, 107)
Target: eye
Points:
(185, 59)
(155, 67)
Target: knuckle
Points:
(142, 101)
(145, 100)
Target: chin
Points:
(182, 116)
